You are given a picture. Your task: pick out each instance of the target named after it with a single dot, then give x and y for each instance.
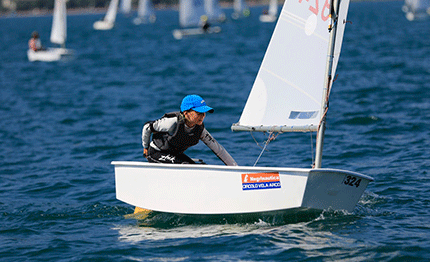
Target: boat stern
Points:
(334, 189)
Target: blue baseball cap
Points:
(195, 103)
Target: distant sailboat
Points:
(191, 18)
(58, 36)
(272, 14)
(145, 13)
(240, 9)
(214, 12)
(416, 9)
(290, 94)
(108, 21)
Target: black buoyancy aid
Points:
(180, 140)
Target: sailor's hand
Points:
(145, 152)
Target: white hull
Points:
(209, 189)
(49, 55)
(268, 18)
(103, 25)
(411, 16)
(180, 33)
(63, 51)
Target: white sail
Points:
(145, 8)
(126, 6)
(145, 12)
(287, 92)
(190, 12)
(111, 12)
(417, 6)
(271, 15)
(239, 6)
(240, 9)
(213, 11)
(273, 7)
(59, 23)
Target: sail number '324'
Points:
(351, 181)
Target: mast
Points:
(327, 82)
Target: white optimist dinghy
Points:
(272, 14)
(181, 33)
(108, 21)
(290, 94)
(191, 13)
(58, 36)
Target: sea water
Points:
(62, 123)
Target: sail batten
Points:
(276, 129)
(291, 84)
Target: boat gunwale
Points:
(236, 168)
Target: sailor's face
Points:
(195, 118)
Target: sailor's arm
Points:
(218, 149)
(146, 137)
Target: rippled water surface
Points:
(62, 123)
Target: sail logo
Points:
(257, 181)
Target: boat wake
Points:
(170, 220)
(161, 220)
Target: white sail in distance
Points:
(145, 9)
(287, 94)
(190, 12)
(126, 6)
(112, 11)
(213, 10)
(239, 6)
(59, 23)
(273, 7)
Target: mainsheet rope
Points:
(271, 137)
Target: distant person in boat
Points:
(205, 23)
(205, 26)
(34, 43)
(173, 133)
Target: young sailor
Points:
(173, 133)
(34, 43)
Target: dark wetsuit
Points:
(171, 137)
